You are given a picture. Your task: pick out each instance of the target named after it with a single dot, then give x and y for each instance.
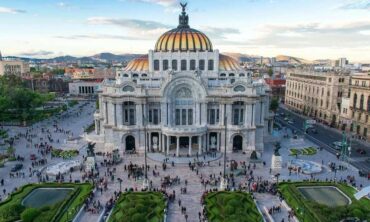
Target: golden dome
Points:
(183, 38)
(226, 63)
(140, 64)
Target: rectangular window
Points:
(218, 116)
(132, 117)
(150, 116)
(183, 65)
(183, 117)
(177, 117)
(212, 117)
(202, 64)
(236, 116)
(156, 65)
(210, 64)
(165, 65)
(192, 64)
(155, 116)
(126, 115)
(190, 117)
(241, 116)
(174, 65)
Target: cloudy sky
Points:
(310, 29)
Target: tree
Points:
(274, 104)
(10, 151)
(270, 72)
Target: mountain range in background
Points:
(110, 57)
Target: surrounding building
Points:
(317, 94)
(355, 113)
(13, 67)
(182, 98)
(277, 85)
(84, 87)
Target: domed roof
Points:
(140, 64)
(183, 38)
(227, 63)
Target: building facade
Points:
(181, 99)
(316, 94)
(355, 115)
(14, 67)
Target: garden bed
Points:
(231, 207)
(307, 209)
(12, 209)
(308, 151)
(138, 207)
(65, 154)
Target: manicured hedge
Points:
(313, 211)
(11, 209)
(139, 207)
(309, 151)
(231, 207)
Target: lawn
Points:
(139, 207)
(307, 209)
(12, 208)
(231, 207)
(308, 151)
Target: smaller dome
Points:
(140, 64)
(228, 64)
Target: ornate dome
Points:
(140, 64)
(183, 38)
(227, 63)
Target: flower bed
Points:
(307, 210)
(138, 207)
(65, 154)
(12, 209)
(231, 206)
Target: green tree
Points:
(10, 151)
(270, 72)
(274, 105)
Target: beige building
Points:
(355, 112)
(13, 67)
(316, 94)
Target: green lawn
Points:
(231, 207)
(139, 207)
(64, 211)
(308, 151)
(312, 211)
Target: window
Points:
(363, 83)
(165, 64)
(354, 101)
(174, 64)
(129, 117)
(238, 113)
(183, 117)
(202, 64)
(362, 102)
(177, 117)
(368, 103)
(156, 65)
(210, 64)
(190, 117)
(183, 65)
(192, 64)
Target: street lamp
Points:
(223, 184)
(145, 182)
(120, 184)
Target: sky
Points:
(310, 29)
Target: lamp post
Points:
(120, 184)
(145, 182)
(224, 184)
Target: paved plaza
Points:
(73, 122)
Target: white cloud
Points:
(11, 10)
(164, 3)
(37, 53)
(356, 4)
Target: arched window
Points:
(238, 113)
(156, 65)
(125, 75)
(183, 65)
(222, 75)
(135, 75)
(174, 64)
(241, 75)
(192, 64)
(362, 101)
(210, 64)
(231, 75)
(144, 75)
(354, 100)
(165, 64)
(202, 64)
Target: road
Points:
(325, 137)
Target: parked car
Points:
(17, 167)
(313, 130)
(337, 145)
(291, 121)
(361, 151)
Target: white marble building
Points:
(183, 92)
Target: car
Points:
(314, 130)
(33, 157)
(361, 151)
(17, 167)
(291, 121)
(337, 145)
(286, 119)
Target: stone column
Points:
(150, 141)
(168, 138)
(115, 114)
(119, 114)
(189, 145)
(221, 123)
(200, 144)
(204, 114)
(163, 148)
(139, 114)
(229, 114)
(253, 115)
(217, 141)
(160, 141)
(177, 146)
(197, 114)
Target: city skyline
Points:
(327, 29)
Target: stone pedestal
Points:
(223, 184)
(145, 184)
(90, 163)
(276, 162)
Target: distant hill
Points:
(292, 60)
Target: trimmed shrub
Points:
(29, 214)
